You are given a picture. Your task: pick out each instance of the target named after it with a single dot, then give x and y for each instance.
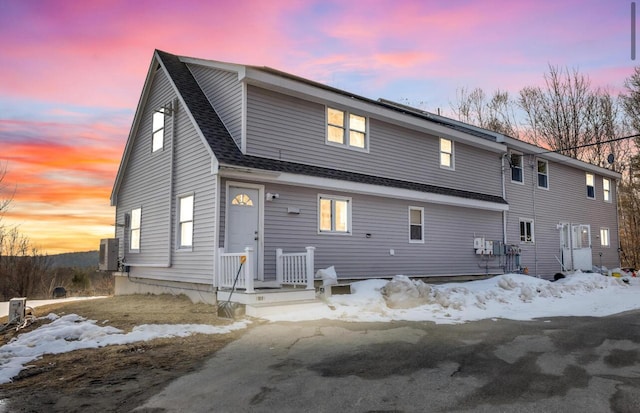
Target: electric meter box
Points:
(17, 310)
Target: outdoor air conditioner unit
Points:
(108, 257)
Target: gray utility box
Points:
(17, 310)
(108, 256)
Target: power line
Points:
(594, 144)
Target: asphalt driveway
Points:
(548, 365)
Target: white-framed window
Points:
(416, 224)
(135, 222)
(606, 189)
(604, 237)
(516, 162)
(346, 129)
(543, 174)
(446, 154)
(334, 214)
(185, 221)
(591, 189)
(526, 231)
(157, 137)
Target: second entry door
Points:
(243, 222)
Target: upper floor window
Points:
(334, 214)
(526, 231)
(591, 189)
(543, 174)
(185, 224)
(157, 140)
(416, 224)
(606, 190)
(348, 129)
(446, 153)
(134, 229)
(515, 160)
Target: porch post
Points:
(217, 277)
(279, 266)
(310, 268)
(248, 270)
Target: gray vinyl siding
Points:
(565, 201)
(147, 185)
(291, 129)
(448, 232)
(224, 91)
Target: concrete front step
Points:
(269, 309)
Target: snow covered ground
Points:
(511, 296)
(4, 306)
(72, 332)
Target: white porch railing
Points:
(295, 268)
(229, 265)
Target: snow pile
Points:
(402, 292)
(72, 332)
(511, 296)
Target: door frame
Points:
(571, 242)
(260, 252)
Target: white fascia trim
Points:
(359, 188)
(318, 94)
(528, 148)
(229, 67)
(187, 111)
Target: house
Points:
(229, 162)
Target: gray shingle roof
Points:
(227, 152)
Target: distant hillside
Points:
(75, 259)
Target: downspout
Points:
(174, 115)
(534, 178)
(618, 224)
(504, 196)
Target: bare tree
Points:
(631, 99)
(5, 195)
(606, 125)
(496, 114)
(560, 115)
(22, 267)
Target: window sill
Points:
(348, 147)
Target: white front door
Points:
(575, 240)
(582, 258)
(243, 223)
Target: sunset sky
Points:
(71, 73)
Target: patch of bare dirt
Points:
(114, 378)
